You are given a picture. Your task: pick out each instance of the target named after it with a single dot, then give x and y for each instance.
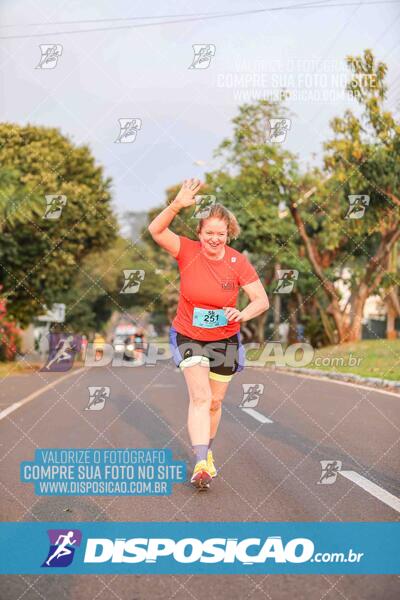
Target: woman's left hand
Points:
(232, 314)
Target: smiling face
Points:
(213, 235)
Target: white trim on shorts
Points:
(190, 361)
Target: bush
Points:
(9, 333)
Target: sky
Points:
(184, 113)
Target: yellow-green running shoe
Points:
(201, 476)
(210, 464)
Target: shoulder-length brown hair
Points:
(218, 211)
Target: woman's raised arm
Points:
(158, 228)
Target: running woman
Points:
(205, 333)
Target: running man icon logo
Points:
(62, 547)
(54, 206)
(357, 206)
(286, 280)
(330, 470)
(128, 129)
(97, 397)
(50, 53)
(203, 205)
(251, 394)
(203, 54)
(63, 348)
(277, 130)
(133, 279)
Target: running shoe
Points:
(210, 464)
(201, 476)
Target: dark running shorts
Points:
(224, 357)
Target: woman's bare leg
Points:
(218, 391)
(199, 388)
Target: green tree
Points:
(39, 257)
(360, 160)
(96, 292)
(256, 180)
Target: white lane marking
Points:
(327, 379)
(373, 489)
(256, 415)
(4, 413)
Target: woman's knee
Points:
(200, 396)
(216, 404)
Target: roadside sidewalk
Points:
(349, 377)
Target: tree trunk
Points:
(355, 330)
(277, 307)
(393, 310)
(246, 332)
(326, 323)
(292, 337)
(372, 278)
(300, 304)
(392, 297)
(260, 322)
(391, 333)
(253, 331)
(340, 321)
(357, 310)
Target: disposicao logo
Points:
(190, 550)
(62, 547)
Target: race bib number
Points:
(204, 317)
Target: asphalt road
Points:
(269, 471)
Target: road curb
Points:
(350, 377)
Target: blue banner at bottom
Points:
(199, 548)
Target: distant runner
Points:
(205, 333)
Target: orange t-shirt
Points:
(207, 283)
